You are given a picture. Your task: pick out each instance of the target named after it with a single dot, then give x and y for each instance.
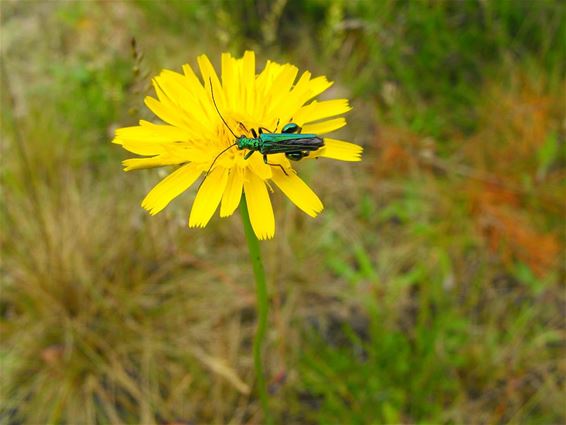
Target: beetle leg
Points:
(250, 153)
(268, 130)
(274, 165)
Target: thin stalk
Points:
(262, 308)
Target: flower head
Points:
(197, 129)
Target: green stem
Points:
(262, 307)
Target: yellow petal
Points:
(315, 111)
(156, 161)
(324, 126)
(148, 138)
(208, 197)
(258, 167)
(298, 192)
(207, 70)
(233, 192)
(259, 207)
(289, 101)
(143, 148)
(338, 149)
(248, 82)
(280, 88)
(171, 85)
(179, 90)
(209, 75)
(185, 152)
(265, 78)
(279, 77)
(202, 94)
(305, 78)
(149, 132)
(304, 90)
(317, 86)
(167, 113)
(170, 187)
(229, 79)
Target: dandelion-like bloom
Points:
(194, 134)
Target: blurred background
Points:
(430, 290)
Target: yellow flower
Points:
(193, 135)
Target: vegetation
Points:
(431, 289)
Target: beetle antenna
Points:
(221, 117)
(213, 162)
(218, 156)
